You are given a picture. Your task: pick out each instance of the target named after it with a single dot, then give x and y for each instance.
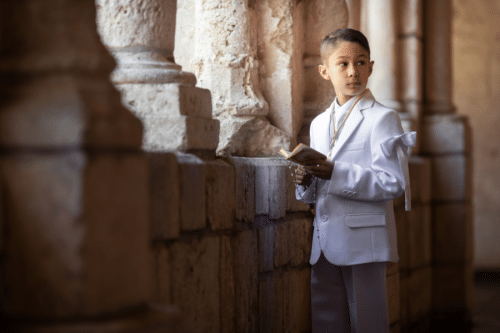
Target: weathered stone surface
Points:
(451, 178)
(393, 297)
(300, 239)
(78, 234)
(244, 188)
(297, 301)
(282, 244)
(193, 195)
(404, 299)
(452, 233)
(227, 286)
(245, 251)
(420, 179)
(271, 317)
(419, 294)
(162, 291)
(220, 187)
(164, 195)
(280, 49)
(267, 239)
(445, 134)
(180, 133)
(196, 283)
(169, 100)
(250, 136)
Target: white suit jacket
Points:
(354, 220)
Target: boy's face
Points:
(348, 68)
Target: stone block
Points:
(164, 195)
(445, 134)
(299, 241)
(161, 292)
(169, 100)
(395, 328)
(245, 251)
(404, 299)
(419, 294)
(78, 233)
(420, 179)
(227, 286)
(297, 300)
(267, 239)
(392, 268)
(271, 304)
(451, 178)
(244, 188)
(452, 233)
(196, 283)
(402, 233)
(282, 244)
(451, 287)
(192, 196)
(220, 199)
(270, 187)
(393, 297)
(419, 236)
(181, 133)
(59, 111)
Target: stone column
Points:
(381, 27)
(217, 40)
(445, 138)
(141, 36)
(321, 18)
(354, 14)
(74, 180)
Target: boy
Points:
(354, 230)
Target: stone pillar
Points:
(381, 27)
(438, 69)
(74, 180)
(222, 41)
(445, 138)
(412, 64)
(141, 36)
(321, 18)
(354, 14)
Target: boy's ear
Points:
(370, 68)
(322, 71)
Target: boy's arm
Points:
(384, 179)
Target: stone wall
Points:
(231, 246)
(476, 59)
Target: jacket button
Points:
(324, 218)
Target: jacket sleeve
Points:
(385, 179)
(307, 194)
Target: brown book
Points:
(302, 153)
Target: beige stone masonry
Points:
(220, 188)
(141, 36)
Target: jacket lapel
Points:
(352, 123)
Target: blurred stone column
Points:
(446, 139)
(141, 36)
(74, 180)
(381, 27)
(321, 18)
(217, 40)
(354, 13)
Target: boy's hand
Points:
(320, 168)
(302, 177)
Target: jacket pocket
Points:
(365, 220)
(355, 146)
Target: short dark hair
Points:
(344, 35)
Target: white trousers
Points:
(349, 298)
